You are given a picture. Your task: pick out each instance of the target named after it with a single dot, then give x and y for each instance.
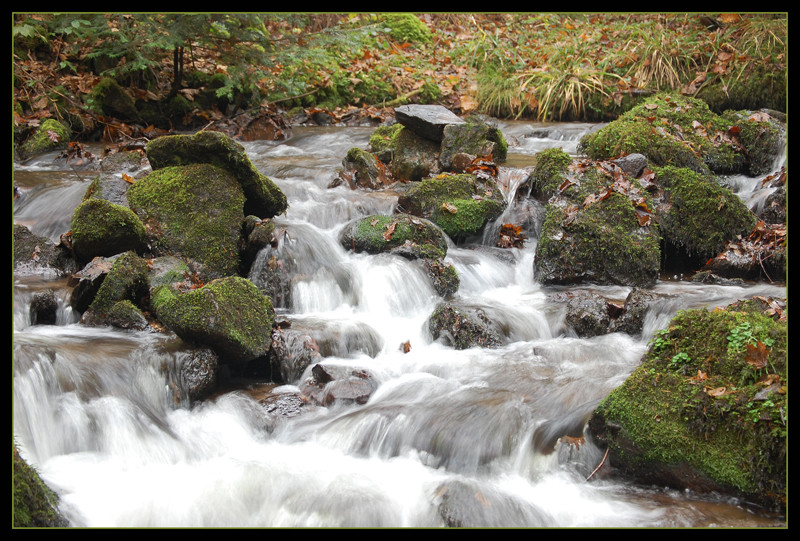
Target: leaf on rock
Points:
(387, 235)
(757, 356)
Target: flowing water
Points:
(467, 435)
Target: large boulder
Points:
(230, 315)
(598, 225)
(263, 197)
(194, 211)
(706, 409)
(122, 294)
(697, 217)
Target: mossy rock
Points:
(603, 242)
(195, 212)
(112, 100)
(671, 129)
(33, 503)
(382, 141)
(413, 156)
(263, 197)
(377, 234)
(706, 409)
(700, 215)
(230, 315)
(458, 203)
(102, 228)
(549, 173)
(474, 137)
(407, 28)
(51, 135)
(127, 280)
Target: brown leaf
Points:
(449, 207)
(387, 235)
(757, 356)
(719, 391)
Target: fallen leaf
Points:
(757, 356)
(387, 235)
(719, 391)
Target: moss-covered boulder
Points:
(121, 295)
(33, 503)
(194, 211)
(698, 216)
(102, 228)
(598, 225)
(672, 129)
(377, 234)
(263, 197)
(707, 408)
(230, 315)
(51, 135)
(461, 204)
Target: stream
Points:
(446, 433)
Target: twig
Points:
(599, 465)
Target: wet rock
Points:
(44, 308)
(462, 327)
(198, 372)
(292, 352)
(473, 138)
(39, 255)
(463, 504)
(591, 314)
(329, 385)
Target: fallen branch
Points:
(599, 465)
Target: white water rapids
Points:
(447, 434)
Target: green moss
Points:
(379, 233)
(465, 217)
(102, 228)
(697, 401)
(382, 141)
(127, 280)
(51, 135)
(229, 314)
(33, 503)
(263, 198)
(670, 129)
(549, 173)
(195, 211)
(602, 242)
(702, 215)
(406, 27)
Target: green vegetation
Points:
(549, 66)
